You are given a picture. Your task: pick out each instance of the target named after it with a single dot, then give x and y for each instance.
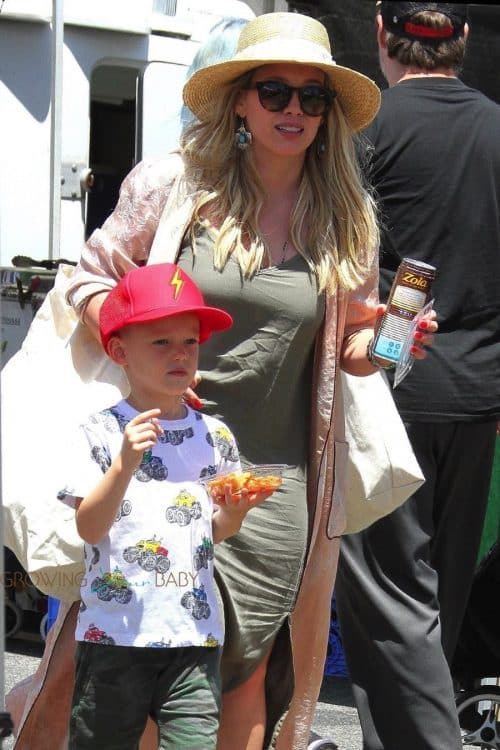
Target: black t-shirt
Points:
(435, 166)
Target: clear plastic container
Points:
(253, 477)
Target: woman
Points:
(265, 208)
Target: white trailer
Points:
(87, 89)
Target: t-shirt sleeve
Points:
(89, 460)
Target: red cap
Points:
(154, 292)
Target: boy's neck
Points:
(172, 409)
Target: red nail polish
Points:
(423, 325)
(414, 349)
(418, 336)
(196, 403)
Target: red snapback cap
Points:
(154, 292)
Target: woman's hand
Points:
(189, 396)
(423, 336)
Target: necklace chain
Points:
(283, 251)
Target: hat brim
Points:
(358, 95)
(211, 320)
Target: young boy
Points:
(149, 628)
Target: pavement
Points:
(335, 717)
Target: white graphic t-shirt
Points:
(149, 581)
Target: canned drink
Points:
(410, 292)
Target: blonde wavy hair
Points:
(333, 224)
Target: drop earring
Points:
(243, 137)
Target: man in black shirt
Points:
(403, 584)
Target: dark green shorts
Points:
(117, 687)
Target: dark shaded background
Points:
(351, 26)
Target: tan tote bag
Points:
(375, 466)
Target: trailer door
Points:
(112, 147)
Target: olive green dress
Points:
(256, 377)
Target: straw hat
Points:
(285, 38)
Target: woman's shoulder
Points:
(154, 176)
(143, 195)
(160, 171)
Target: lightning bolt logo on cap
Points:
(176, 282)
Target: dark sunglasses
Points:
(276, 95)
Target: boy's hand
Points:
(231, 511)
(140, 434)
(242, 500)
